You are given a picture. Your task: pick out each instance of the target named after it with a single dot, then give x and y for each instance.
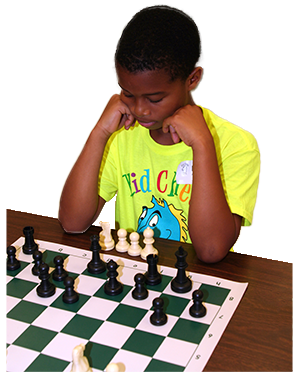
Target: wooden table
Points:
(259, 335)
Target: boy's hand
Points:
(188, 125)
(115, 116)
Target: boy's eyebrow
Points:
(147, 94)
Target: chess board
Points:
(42, 332)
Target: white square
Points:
(11, 302)
(212, 311)
(26, 274)
(19, 358)
(142, 304)
(129, 361)
(46, 301)
(14, 328)
(175, 351)
(88, 285)
(98, 308)
(75, 264)
(53, 319)
(146, 326)
(126, 274)
(62, 345)
(112, 334)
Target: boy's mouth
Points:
(146, 124)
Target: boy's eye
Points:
(156, 101)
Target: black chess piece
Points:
(12, 262)
(59, 274)
(37, 256)
(112, 287)
(197, 310)
(70, 296)
(158, 318)
(181, 283)
(140, 292)
(45, 288)
(152, 276)
(30, 246)
(96, 265)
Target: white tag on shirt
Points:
(184, 172)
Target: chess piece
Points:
(12, 262)
(152, 276)
(106, 241)
(158, 318)
(96, 265)
(122, 245)
(197, 310)
(45, 288)
(181, 283)
(140, 291)
(70, 296)
(135, 249)
(59, 274)
(148, 241)
(37, 256)
(30, 246)
(112, 367)
(79, 361)
(112, 287)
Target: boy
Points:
(175, 167)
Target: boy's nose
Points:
(140, 110)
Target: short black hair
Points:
(160, 37)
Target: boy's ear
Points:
(195, 77)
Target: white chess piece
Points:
(148, 241)
(135, 249)
(106, 241)
(122, 245)
(80, 362)
(112, 367)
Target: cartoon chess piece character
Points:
(80, 362)
(148, 241)
(106, 241)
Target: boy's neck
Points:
(161, 138)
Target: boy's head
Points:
(159, 37)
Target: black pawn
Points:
(59, 274)
(197, 310)
(181, 283)
(158, 318)
(152, 276)
(70, 296)
(46, 288)
(12, 262)
(96, 265)
(30, 246)
(37, 256)
(112, 287)
(140, 291)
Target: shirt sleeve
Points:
(239, 170)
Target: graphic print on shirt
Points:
(166, 221)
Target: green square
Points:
(214, 295)
(81, 326)
(60, 304)
(99, 356)
(188, 330)
(35, 338)
(143, 343)
(26, 311)
(15, 272)
(44, 363)
(174, 305)
(101, 276)
(19, 288)
(165, 280)
(127, 315)
(48, 257)
(118, 298)
(159, 366)
(61, 284)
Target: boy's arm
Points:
(80, 203)
(213, 228)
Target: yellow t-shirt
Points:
(153, 182)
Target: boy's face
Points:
(151, 96)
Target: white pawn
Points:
(122, 245)
(106, 241)
(80, 362)
(148, 241)
(135, 249)
(112, 367)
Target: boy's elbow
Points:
(71, 227)
(211, 253)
